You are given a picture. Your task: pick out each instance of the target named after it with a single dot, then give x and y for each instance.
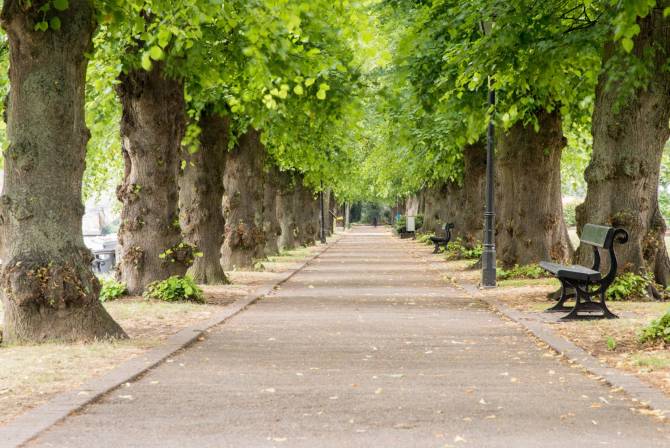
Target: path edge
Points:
(638, 391)
(33, 423)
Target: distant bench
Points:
(588, 283)
(437, 241)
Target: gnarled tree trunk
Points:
(152, 128)
(49, 290)
(465, 203)
(200, 196)
(309, 215)
(244, 239)
(628, 142)
(271, 225)
(530, 225)
(287, 207)
(435, 206)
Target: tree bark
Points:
(628, 142)
(465, 203)
(435, 214)
(271, 226)
(530, 225)
(152, 128)
(347, 215)
(200, 199)
(244, 239)
(326, 215)
(287, 207)
(309, 215)
(49, 290)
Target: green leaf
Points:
(61, 5)
(54, 23)
(41, 26)
(156, 53)
(627, 44)
(146, 61)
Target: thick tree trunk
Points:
(628, 142)
(152, 128)
(530, 225)
(200, 199)
(435, 206)
(465, 203)
(244, 239)
(49, 290)
(271, 225)
(309, 215)
(286, 208)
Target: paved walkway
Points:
(364, 348)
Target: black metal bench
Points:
(437, 241)
(588, 283)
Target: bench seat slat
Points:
(572, 272)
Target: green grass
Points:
(529, 282)
(653, 362)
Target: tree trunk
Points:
(623, 174)
(244, 239)
(271, 226)
(347, 215)
(287, 207)
(435, 206)
(465, 203)
(309, 215)
(49, 290)
(412, 205)
(530, 225)
(152, 128)
(200, 199)
(326, 214)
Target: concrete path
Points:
(364, 348)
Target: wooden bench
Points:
(437, 241)
(588, 283)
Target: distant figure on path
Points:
(374, 221)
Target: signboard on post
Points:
(411, 224)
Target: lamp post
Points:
(489, 248)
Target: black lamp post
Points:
(489, 249)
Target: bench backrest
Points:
(599, 236)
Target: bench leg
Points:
(560, 306)
(607, 314)
(574, 314)
(584, 303)
(437, 248)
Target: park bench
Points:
(588, 283)
(438, 241)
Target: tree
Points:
(49, 290)
(630, 130)
(201, 195)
